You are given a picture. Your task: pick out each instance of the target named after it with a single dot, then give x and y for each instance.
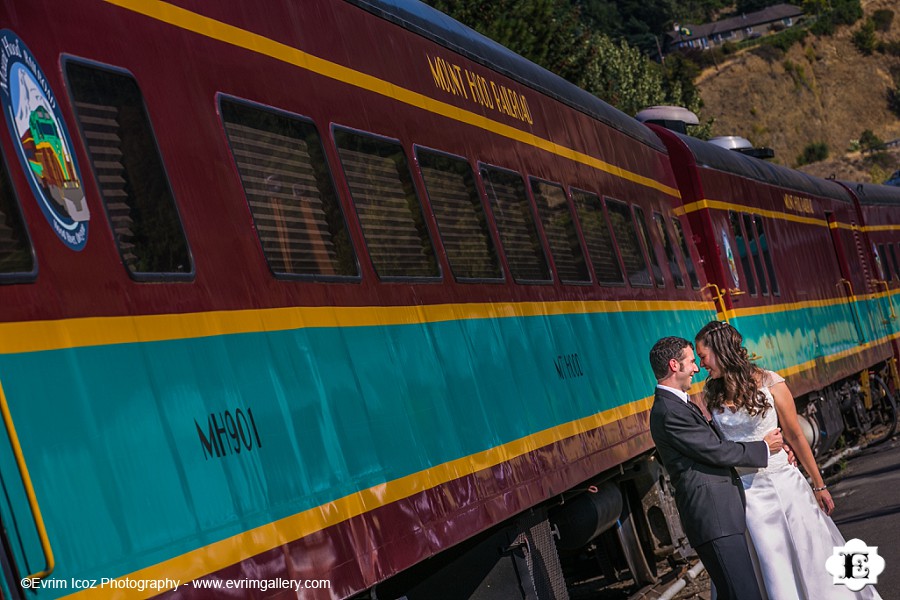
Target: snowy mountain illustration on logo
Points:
(46, 151)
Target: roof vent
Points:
(731, 142)
(742, 145)
(671, 117)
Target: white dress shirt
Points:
(680, 393)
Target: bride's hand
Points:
(792, 460)
(823, 497)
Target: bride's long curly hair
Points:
(739, 380)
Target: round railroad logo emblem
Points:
(42, 141)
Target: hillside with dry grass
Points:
(821, 91)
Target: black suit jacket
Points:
(701, 464)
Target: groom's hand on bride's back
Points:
(774, 440)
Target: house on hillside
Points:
(734, 29)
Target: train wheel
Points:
(883, 412)
(642, 567)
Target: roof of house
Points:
(767, 15)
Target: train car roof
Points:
(444, 30)
(873, 193)
(730, 161)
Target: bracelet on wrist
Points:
(820, 489)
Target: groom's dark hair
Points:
(665, 350)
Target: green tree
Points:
(641, 22)
(813, 153)
(815, 7)
(846, 12)
(551, 34)
(832, 13)
(864, 38)
(621, 75)
(547, 32)
(699, 11)
(748, 6)
(869, 142)
(893, 97)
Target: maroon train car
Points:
(788, 261)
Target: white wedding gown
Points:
(791, 538)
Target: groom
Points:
(708, 492)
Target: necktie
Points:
(712, 423)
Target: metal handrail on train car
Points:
(29, 490)
(849, 287)
(887, 293)
(720, 297)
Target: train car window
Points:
(686, 253)
(767, 257)
(290, 192)
(515, 221)
(894, 261)
(626, 238)
(674, 268)
(450, 184)
(559, 227)
(129, 172)
(881, 260)
(650, 246)
(387, 204)
(16, 253)
(742, 250)
(598, 238)
(755, 253)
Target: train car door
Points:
(721, 254)
(25, 552)
(852, 281)
(883, 288)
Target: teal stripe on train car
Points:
(790, 338)
(882, 319)
(113, 435)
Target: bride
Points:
(790, 533)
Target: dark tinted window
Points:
(883, 261)
(651, 248)
(129, 171)
(755, 253)
(894, 261)
(450, 184)
(767, 257)
(556, 217)
(743, 251)
(16, 256)
(674, 267)
(387, 204)
(290, 192)
(515, 222)
(627, 240)
(686, 253)
(598, 238)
